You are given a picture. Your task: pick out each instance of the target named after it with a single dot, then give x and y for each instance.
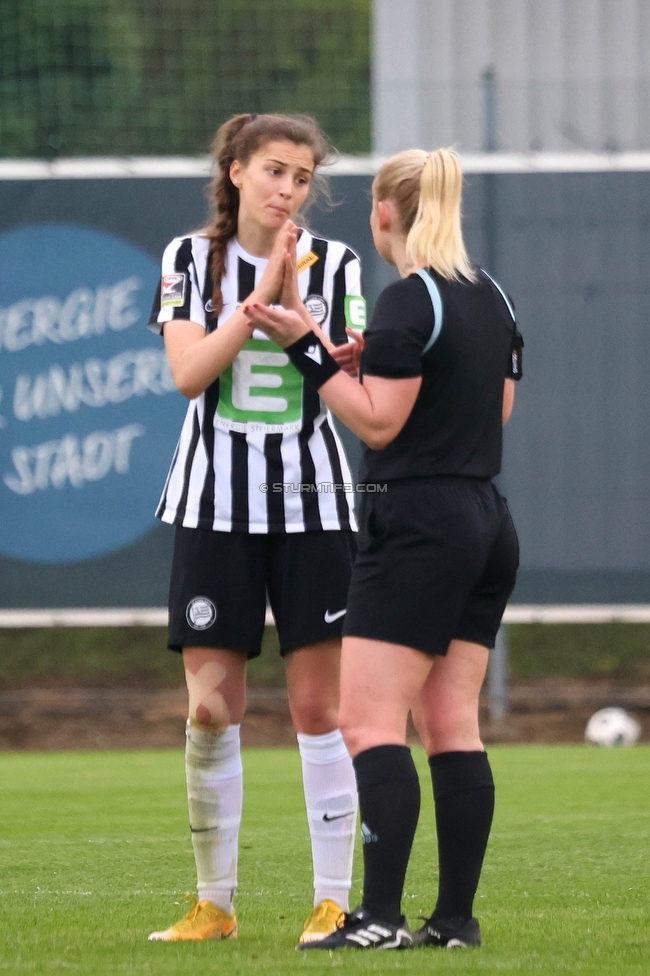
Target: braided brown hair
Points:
(239, 138)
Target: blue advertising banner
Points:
(89, 414)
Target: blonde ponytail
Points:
(427, 187)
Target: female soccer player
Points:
(244, 492)
(438, 551)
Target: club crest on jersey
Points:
(172, 290)
(201, 613)
(317, 308)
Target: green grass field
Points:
(95, 853)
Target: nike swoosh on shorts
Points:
(331, 617)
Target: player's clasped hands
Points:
(279, 283)
(286, 325)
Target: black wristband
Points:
(311, 358)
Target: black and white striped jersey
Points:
(258, 451)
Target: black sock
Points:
(389, 803)
(463, 791)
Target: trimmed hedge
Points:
(95, 657)
(141, 77)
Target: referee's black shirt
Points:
(455, 427)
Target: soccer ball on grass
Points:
(612, 727)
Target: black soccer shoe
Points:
(361, 930)
(449, 933)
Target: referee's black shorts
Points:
(220, 581)
(437, 561)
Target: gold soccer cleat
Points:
(203, 921)
(322, 921)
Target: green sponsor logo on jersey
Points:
(355, 311)
(261, 391)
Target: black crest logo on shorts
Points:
(317, 308)
(201, 613)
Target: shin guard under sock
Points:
(331, 801)
(214, 791)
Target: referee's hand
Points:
(348, 356)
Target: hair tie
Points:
(426, 160)
(253, 116)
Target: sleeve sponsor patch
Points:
(355, 311)
(306, 261)
(172, 290)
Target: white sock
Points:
(213, 769)
(331, 801)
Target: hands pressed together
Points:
(287, 324)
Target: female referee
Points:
(244, 494)
(438, 551)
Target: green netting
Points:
(114, 77)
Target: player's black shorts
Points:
(220, 582)
(437, 560)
